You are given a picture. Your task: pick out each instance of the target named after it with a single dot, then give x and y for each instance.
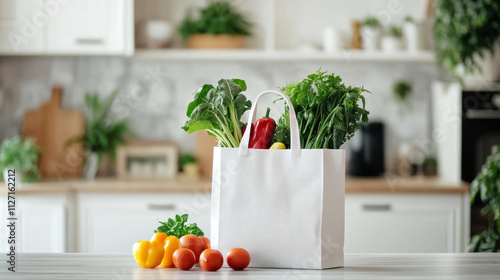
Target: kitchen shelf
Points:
(281, 55)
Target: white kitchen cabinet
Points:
(62, 27)
(22, 27)
(111, 223)
(41, 225)
(406, 223)
(92, 27)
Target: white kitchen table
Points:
(357, 266)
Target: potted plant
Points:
(466, 36)
(392, 42)
(21, 155)
(102, 135)
(486, 185)
(189, 166)
(219, 27)
(402, 91)
(370, 31)
(410, 31)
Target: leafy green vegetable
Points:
(218, 111)
(282, 131)
(463, 31)
(179, 227)
(486, 185)
(327, 110)
(218, 18)
(21, 155)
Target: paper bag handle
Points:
(294, 127)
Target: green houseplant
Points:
(21, 155)
(102, 136)
(218, 26)
(401, 91)
(486, 186)
(466, 33)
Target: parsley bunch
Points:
(328, 113)
(179, 227)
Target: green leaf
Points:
(240, 83)
(230, 87)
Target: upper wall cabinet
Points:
(66, 27)
(21, 31)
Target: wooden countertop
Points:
(387, 184)
(358, 266)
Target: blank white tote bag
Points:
(285, 207)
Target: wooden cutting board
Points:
(52, 127)
(204, 152)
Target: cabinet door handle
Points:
(89, 41)
(376, 207)
(162, 207)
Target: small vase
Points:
(91, 165)
(410, 31)
(391, 44)
(369, 38)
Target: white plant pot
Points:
(369, 38)
(91, 165)
(391, 44)
(410, 32)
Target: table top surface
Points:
(357, 266)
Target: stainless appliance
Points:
(366, 151)
(480, 129)
(480, 132)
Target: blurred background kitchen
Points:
(101, 89)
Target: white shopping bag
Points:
(285, 207)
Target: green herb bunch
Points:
(396, 31)
(179, 227)
(103, 136)
(218, 18)
(410, 19)
(463, 31)
(371, 21)
(486, 185)
(327, 110)
(21, 155)
(218, 110)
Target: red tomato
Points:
(206, 241)
(211, 260)
(238, 258)
(184, 258)
(193, 243)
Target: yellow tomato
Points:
(172, 244)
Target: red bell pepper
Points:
(262, 135)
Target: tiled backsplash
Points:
(154, 94)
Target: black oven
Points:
(480, 132)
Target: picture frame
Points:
(147, 159)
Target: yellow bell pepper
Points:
(149, 254)
(171, 245)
